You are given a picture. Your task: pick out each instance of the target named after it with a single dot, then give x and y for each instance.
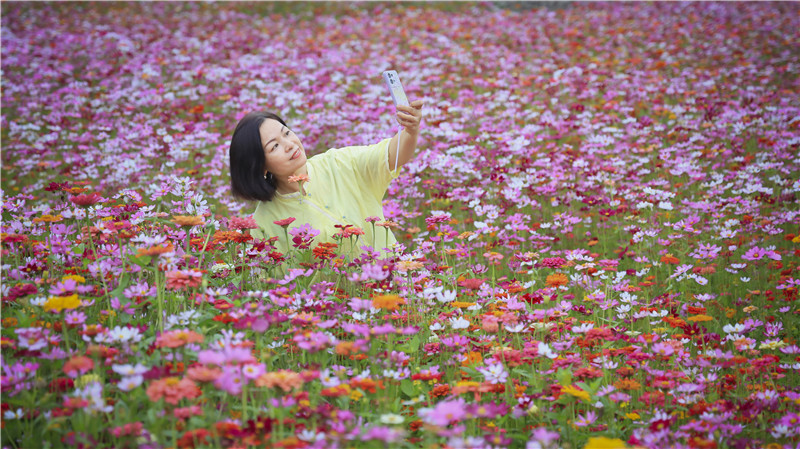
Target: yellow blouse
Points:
(346, 185)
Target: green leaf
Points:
(78, 249)
(142, 261)
(412, 346)
(519, 371)
(564, 377)
(408, 388)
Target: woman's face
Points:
(282, 148)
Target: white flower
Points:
(515, 328)
(124, 334)
(391, 418)
(327, 378)
(430, 293)
(585, 327)
(14, 414)
(459, 323)
(38, 301)
(309, 435)
(446, 296)
(738, 328)
(546, 351)
(436, 327)
(780, 431)
(129, 370)
(129, 383)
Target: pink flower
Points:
(181, 279)
(446, 412)
(242, 223)
(231, 380)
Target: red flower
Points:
(86, 200)
(285, 222)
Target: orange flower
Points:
(669, 259)
(178, 338)
(627, 384)
(346, 348)
(325, 250)
(298, 178)
(284, 379)
(188, 220)
(700, 318)
(461, 304)
(203, 373)
(155, 250)
(333, 392)
(557, 279)
(366, 384)
(409, 265)
(48, 218)
(439, 390)
(472, 358)
(387, 302)
(172, 390)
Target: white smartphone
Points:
(392, 81)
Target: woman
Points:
(344, 186)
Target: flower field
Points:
(599, 235)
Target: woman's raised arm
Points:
(409, 117)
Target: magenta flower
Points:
(446, 412)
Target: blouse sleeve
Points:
(370, 164)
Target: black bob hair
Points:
(248, 160)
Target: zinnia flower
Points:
(557, 279)
(298, 178)
(178, 338)
(172, 390)
(59, 303)
(242, 223)
(78, 365)
(86, 200)
(181, 279)
(285, 222)
(188, 220)
(284, 379)
(387, 302)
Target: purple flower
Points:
(231, 380)
(586, 420)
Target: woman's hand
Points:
(410, 117)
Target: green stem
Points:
(244, 403)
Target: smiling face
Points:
(282, 148)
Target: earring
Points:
(268, 176)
